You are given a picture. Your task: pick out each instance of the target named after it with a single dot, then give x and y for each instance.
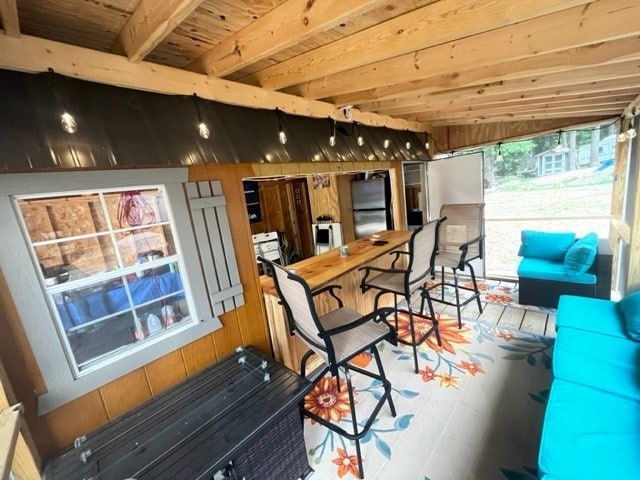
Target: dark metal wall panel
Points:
(120, 127)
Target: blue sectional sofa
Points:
(558, 263)
(592, 423)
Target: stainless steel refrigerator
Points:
(371, 203)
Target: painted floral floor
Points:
(474, 411)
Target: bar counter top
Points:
(321, 269)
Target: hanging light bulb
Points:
(408, 145)
(499, 156)
(282, 136)
(203, 130)
(621, 137)
(332, 138)
(68, 123)
(360, 139)
(386, 143)
(426, 140)
(558, 148)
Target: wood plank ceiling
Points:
(434, 63)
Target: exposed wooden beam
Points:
(289, 23)
(431, 25)
(149, 24)
(605, 112)
(597, 22)
(479, 104)
(624, 74)
(601, 53)
(9, 18)
(456, 137)
(451, 98)
(30, 54)
(527, 108)
(572, 109)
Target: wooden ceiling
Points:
(434, 63)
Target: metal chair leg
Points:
(352, 405)
(455, 282)
(475, 286)
(383, 375)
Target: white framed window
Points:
(106, 270)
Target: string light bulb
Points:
(282, 136)
(360, 138)
(68, 123)
(631, 131)
(558, 147)
(203, 128)
(408, 143)
(499, 156)
(386, 143)
(332, 137)
(426, 140)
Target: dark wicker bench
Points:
(546, 293)
(227, 413)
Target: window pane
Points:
(133, 208)
(142, 245)
(106, 316)
(80, 258)
(81, 215)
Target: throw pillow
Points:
(630, 308)
(545, 245)
(581, 255)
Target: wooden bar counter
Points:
(324, 269)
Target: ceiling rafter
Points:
(600, 53)
(603, 20)
(570, 80)
(149, 24)
(434, 24)
(415, 103)
(288, 24)
(9, 18)
(601, 114)
(31, 54)
(533, 109)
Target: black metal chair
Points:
(460, 240)
(404, 282)
(336, 337)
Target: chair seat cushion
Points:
(448, 258)
(590, 314)
(352, 341)
(589, 434)
(547, 270)
(602, 362)
(391, 282)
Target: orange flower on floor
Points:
(450, 336)
(448, 381)
(471, 367)
(427, 374)
(326, 401)
(498, 298)
(506, 335)
(346, 464)
(362, 360)
(483, 287)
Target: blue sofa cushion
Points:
(549, 270)
(598, 361)
(589, 434)
(581, 254)
(545, 245)
(591, 314)
(630, 308)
